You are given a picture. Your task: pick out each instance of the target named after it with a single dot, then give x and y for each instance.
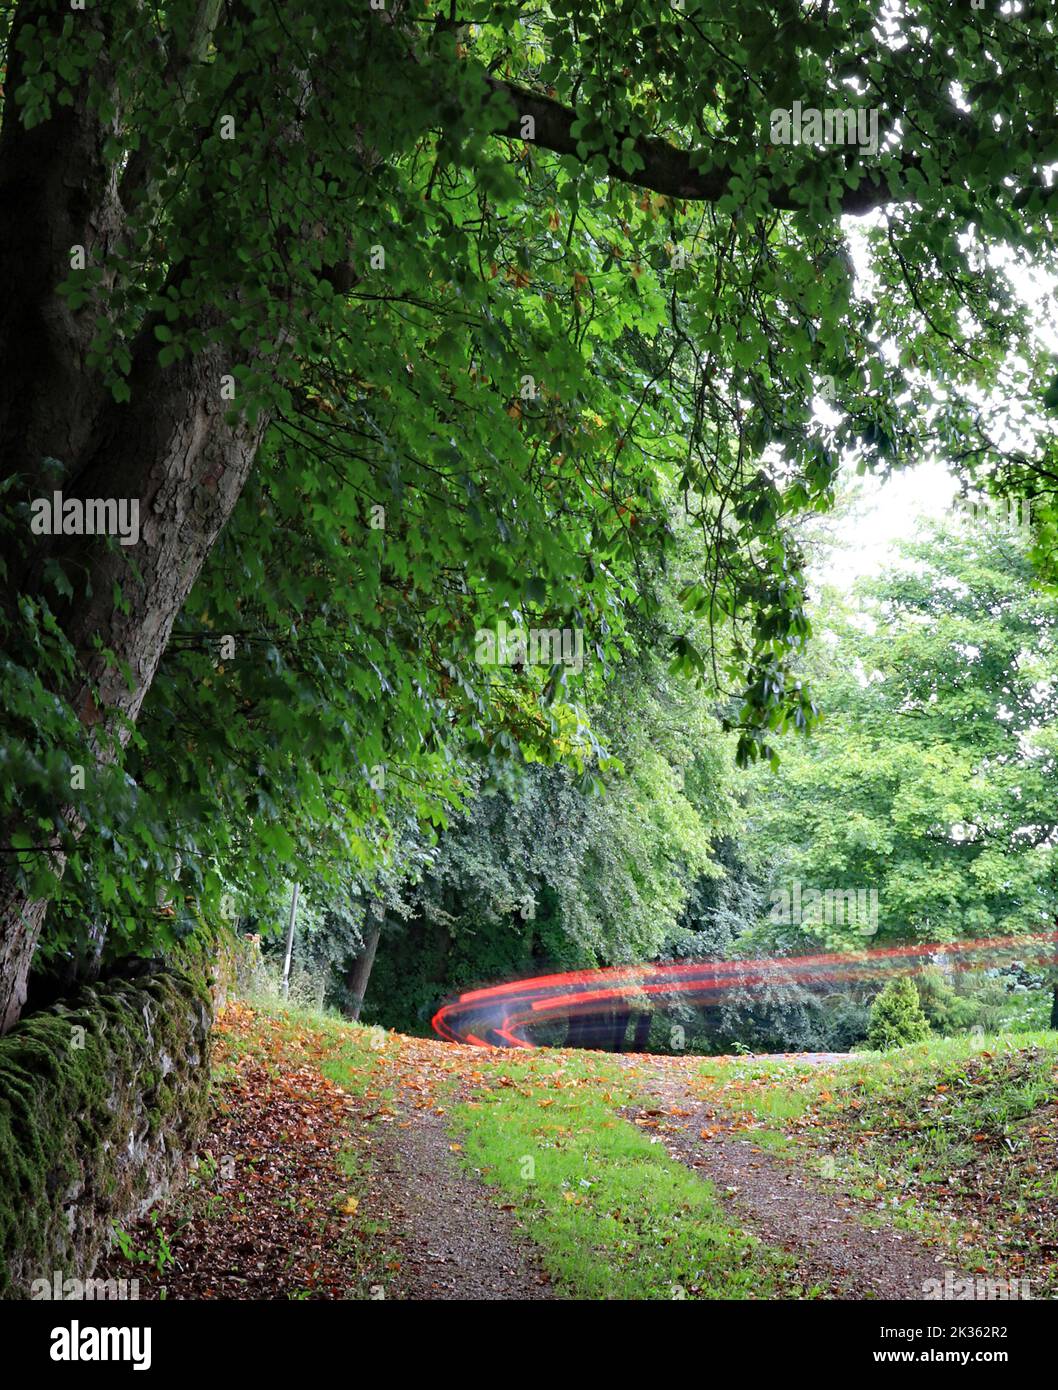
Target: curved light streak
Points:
(500, 1015)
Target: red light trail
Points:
(500, 1014)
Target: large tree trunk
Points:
(169, 447)
(1054, 1007)
(361, 969)
(56, 192)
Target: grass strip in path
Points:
(614, 1216)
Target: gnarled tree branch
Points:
(677, 173)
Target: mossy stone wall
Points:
(103, 1099)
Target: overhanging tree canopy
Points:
(520, 277)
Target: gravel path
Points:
(452, 1239)
(780, 1203)
(455, 1242)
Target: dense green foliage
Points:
(926, 793)
(933, 781)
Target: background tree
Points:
(931, 783)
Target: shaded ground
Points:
(268, 1213)
(306, 1190)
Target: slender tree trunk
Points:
(1054, 1006)
(619, 1026)
(642, 1033)
(361, 968)
(289, 954)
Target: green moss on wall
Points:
(102, 1099)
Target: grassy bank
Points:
(954, 1138)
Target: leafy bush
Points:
(896, 1017)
